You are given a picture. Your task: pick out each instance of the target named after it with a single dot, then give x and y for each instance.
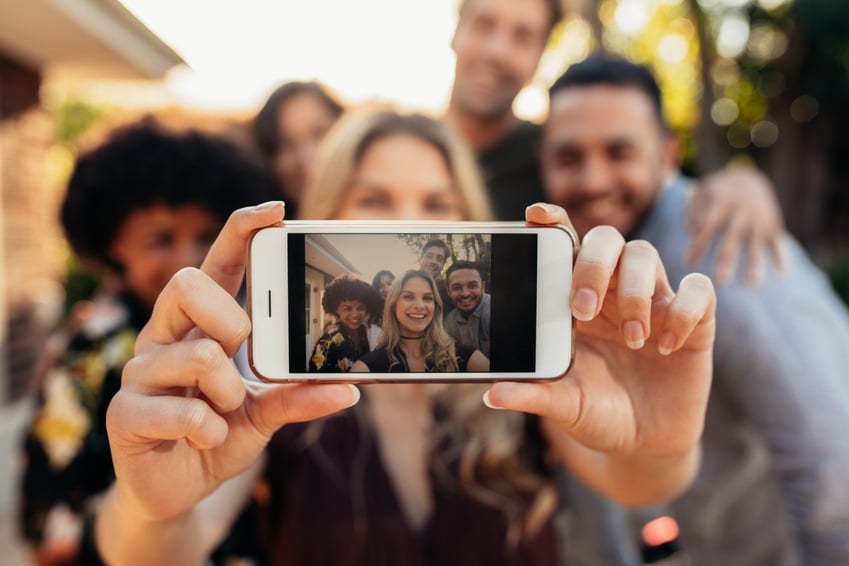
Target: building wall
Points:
(30, 244)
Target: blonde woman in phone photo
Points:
(414, 339)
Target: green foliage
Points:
(75, 117)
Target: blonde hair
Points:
(438, 345)
(342, 149)
(474, 448)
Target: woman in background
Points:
(381, 282)
(287, 132)
(139, 208)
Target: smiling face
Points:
(432, 261)
(465, 289)
(415, 307)
(498, 44)
(401, 177)
(351, 313)
(604, 155)
(154, 243)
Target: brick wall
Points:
(32, 249)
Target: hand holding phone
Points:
(470, 301)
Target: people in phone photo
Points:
(348, 299)
(435, 253)
(381, 282)
(470, 322)
(414, 339)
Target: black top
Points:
(511, 172)
(378, 360)
(338, 349)
(333, 503)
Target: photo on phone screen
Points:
(489, 303)
(491, 298)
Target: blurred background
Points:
(759, 80)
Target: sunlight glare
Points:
(631, 16)
(673, 48)
(388, 50)
(733, 35)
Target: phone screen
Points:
(489, 300)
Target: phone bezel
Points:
(265, 285)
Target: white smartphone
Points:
(505, 301)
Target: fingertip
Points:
(634, 334)
(724, 275)
(270, 205)
(488, 402)
(585, 304)
(355, 395)
(543, 213)
(667, 343)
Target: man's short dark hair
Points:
(613, 71)
(436, 243)
(463, 264)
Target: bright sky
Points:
(370, 253)
(239, 52)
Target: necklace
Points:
(411, 337)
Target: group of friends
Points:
(726, 404)
(403, 321)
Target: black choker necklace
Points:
(412, 337)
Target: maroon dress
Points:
(333, 503)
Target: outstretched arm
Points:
(627, 417)
(184, 421)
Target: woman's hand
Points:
(737, 206)
(639, 384)
(184, 420)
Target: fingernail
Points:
(756, 277)
(548, 208)
(268, 205)
(487, 402)
(666, 343)
(355, 395)
(635, 336)
(584, 304)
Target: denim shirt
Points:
(774, 482)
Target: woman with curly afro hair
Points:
(349, 299)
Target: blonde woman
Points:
(414, 339)
(415, 473)
(350, 183)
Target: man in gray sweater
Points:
(774, 483)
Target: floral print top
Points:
(68, 461)
(336, 351)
